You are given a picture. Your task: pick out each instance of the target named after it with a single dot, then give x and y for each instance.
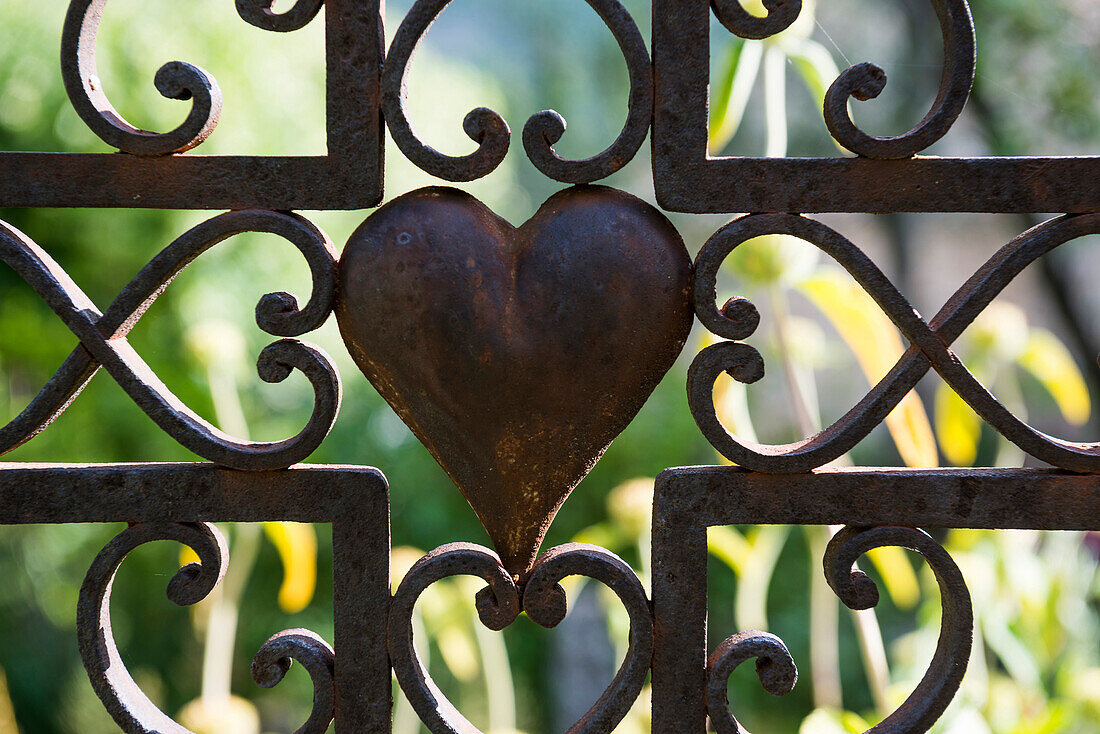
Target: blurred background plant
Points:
(1036, 664)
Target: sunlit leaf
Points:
(1051, 363)
(729, 546)
(958, 427)
(832, 721)
(775, 103)
(297, 546)
(402, 559)
(750, 602)
(877, 346)
(897, 574)
(815, 65)
(220, 714)
(741, 72)
(630, 506)
(187, 555)
(458, 649)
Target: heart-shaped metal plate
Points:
(516, 355)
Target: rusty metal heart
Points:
(516, 355)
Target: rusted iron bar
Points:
(884, 179)
(692, 182)
(119, 180)
(150, 175)
(178, 501)
(69, 493)
(690, 499)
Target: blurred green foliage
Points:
(1037, 667)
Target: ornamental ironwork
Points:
(517, 354)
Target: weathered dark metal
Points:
(489, 130)
(103, 340)
(348, 177)
(930, 345)
(866, 81)
(776, 667)
(516, 355)
(125, 702)
(498, 605)
(177, 502)
(687, 178)
(881, 507)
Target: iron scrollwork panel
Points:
(877, 507)
(150, 172)
(161, 502)
(542, 130)
(886, 174)
(930, 344)
(103, 340)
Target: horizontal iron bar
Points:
(119, 180)
(1041, 499)
(67, 493)
(1068, 185)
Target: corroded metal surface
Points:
(103, 340)
(498, 605)
(887, 175)
(518, 354)
(879, 507)
(178, 502)
(542, 130)
(150, 174)
(515, 355)
(930, 344)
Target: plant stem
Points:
(221, 626)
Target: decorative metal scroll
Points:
(126, 703)
(442, 304)
(931, 342)
(103, 340)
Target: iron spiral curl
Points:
(941, 681)
(498, 605)
(929, 345)
(781, 15)
(774, 666)
(274, 659)
(542, 130)
(174, 80)
(777, 670)
(124, 700)
(866, 81)
(260, 14)
(103, 340)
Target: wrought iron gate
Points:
(516, 460)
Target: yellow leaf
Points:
(1048, 360)
(187, 555)
(876, 345)
(729, 546)
(957, 426)
(297, 546)
(897, 574)
(457, 648)
(402, 559)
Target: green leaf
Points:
(816, 66)
(1051, 363)
(741, 72)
